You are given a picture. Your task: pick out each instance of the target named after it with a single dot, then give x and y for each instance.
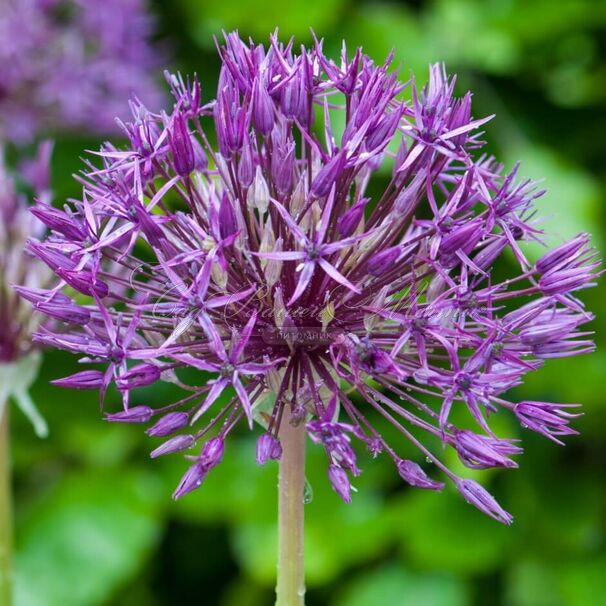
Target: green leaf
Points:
(443, 532)
(396, 586)
(469, 32)
(563, 531)
(381, 28)
(534, 582)
(582, 582)
(85, 538)
(207, 18)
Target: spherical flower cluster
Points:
(329, 261)
(19, 361)
(72, 64)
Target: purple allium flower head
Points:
(17, 224)
(272, 270)
(19, 360)
(72, 64)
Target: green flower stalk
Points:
(19, 359)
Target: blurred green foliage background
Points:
(95, 522)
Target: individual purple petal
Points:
(296, 229)
(243, 339)
(84, 282)
(39, 295)
(244, 399)
(215, 391)
(304, 279)
(59, 221)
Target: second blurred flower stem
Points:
(6, 516)
(290, 588)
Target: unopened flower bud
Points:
(181, 147)
(246, 168)
(479, 497)
(169, 423)
(563, 254)
(490, 253)
(327, 176)
(70, 313)
(383, 261)
(59, 221)
(349, 221)
(137, 414)
(176, 444)
(212, 453)
(383, 132)
(268, 447)
(258, 193)
(299, 195)
(412, 473)
(340, 482)
(228, 223)
(464, 237)
(138, 376)
(263, 108)
(282, 168)
(86, 379)
(84, 282)
(192, 479)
